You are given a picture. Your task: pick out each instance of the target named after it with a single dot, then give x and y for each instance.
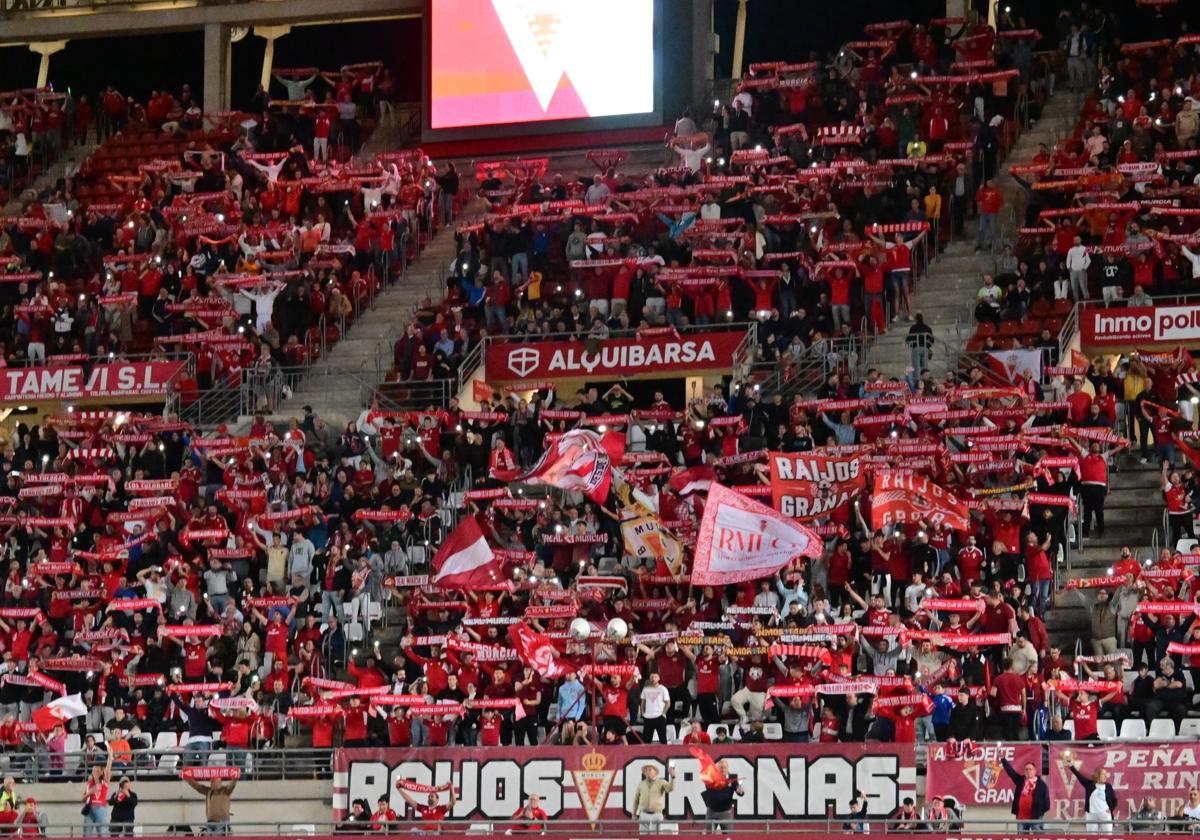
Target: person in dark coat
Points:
(1031, 796)
(1099, 800)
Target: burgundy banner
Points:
(796, 476)
(1140, 771)
(972, 774)
(71, 382)
(506, 361)
(580, 783)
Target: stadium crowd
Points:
(218, 585)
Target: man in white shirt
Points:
(693, 159)
(1078, 262)
(654, 703)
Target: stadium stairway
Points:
(342, 383)
(946, 294)
(339, 385)
(1133, 517)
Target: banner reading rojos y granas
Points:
(582, 783)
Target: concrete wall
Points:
(296, 802)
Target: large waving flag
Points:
(710, 773)
(741, 539)
(58, 712)
(538, 652)
(579, 460)
(466, 561)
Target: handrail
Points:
(470, 363)
(688, 824)
(723, 326)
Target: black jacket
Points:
(1041, 793)
(1088, 786)
(720, 799)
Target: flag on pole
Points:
(466, 561)
(58, 712)
(579, 460)
(741, 539)
(538, 652)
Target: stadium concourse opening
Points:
(648, 486)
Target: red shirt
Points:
(708, 673)
(435, 814)
(989, 199)
(1025, 800)
(970, 561)
(672, 670)
(1037, 564)
(1084, 715)
(1010, 692)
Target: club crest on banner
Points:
(524, 361)
(593, 783)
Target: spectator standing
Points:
(1031, 797)
(95, 800)
(217, 794)
(124, 805)
(990, 200)
(920, 342)
(1099, 799)
(650, 798)
(719, 800)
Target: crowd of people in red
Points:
(218, 585)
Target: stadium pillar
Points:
(45, 49)
(270, 33)
(739, 40)
(704, 49)
(217, 71)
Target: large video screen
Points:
(514, 61)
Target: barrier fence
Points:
(829, 829)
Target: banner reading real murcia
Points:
(583, 783)
(1139, 771)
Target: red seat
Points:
(1062, 308)
(984, 329)
(1010, 328)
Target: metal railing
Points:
(691, 823)
(157, 764)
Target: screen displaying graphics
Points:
(514, 61)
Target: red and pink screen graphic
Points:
(514, 61)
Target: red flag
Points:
(481, 391)
(710, 773)
(538, 652)
(58, 712)
(693, 480)
(579, 460)
(465, 560)
(741, 539)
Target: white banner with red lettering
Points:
(72, 382)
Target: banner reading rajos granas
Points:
(584, 783)
(973, 774)
(1139, 771)
(796, 478)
